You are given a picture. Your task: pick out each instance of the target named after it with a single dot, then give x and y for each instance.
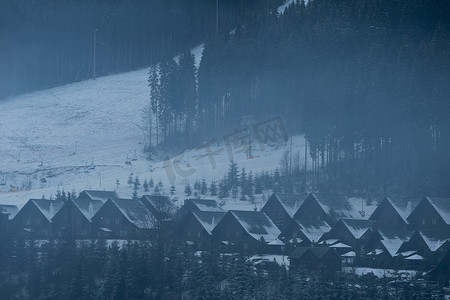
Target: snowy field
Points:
(79, 136)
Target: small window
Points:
(434, 221)
(118, 221)
(237, 234)
(28, 221)
(318, 218)
(107, 221)
(424, 221)
(199, 234)
(38, 221)
(122, 232)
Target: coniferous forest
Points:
(365, 81)
(47, 43)
(167, 269)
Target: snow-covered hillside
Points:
(79, 136)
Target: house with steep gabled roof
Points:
(124, 218)
(74, 219)
(325, 206)
(160, 206)
(281, 208)
(196, 228)
(97, 195)
(393, 212)
(429, 243)
(7, 213)
(353, 232)
(304, 233)
(200, 205)
(34, 220)
(385, 243)
(431, 213)
(248, 232)
(9, 210)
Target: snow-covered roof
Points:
(290, 202)
(415, 257)
(340, 245)
(205, 204)
(257, 224)
(88, 207)
(349, 254)
(136, 212)
(48, 207)
(442, 206)
(10, 210)
(392, 240)
(357, 227)
(329, 242)
(403, 205)
(314, 229)
(99, 195)
(161, 206)
(208, 219)
(435, 238)
(336, 205)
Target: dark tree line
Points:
(47, 43)
(365, 81)
(68, 269)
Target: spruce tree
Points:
(213, 188)
(188, 190)
(204, 187)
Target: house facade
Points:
(34, 220)
(281, 208)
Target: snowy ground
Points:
(79, 136)
(380, 273)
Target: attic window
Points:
(424, 221)
(434, 221)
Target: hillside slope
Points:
(79, 136)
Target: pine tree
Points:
(233, 175)
(130, 179)
(145, 185)
(172, 190)
(204, 187)
(136, 183)
(213, 188)
(223, 189)
(151, 183)
(197, 185)
(188, 190)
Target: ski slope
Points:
(79, 136)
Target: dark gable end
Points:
(281, 208)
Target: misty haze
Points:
(225, 149)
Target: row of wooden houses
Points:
(399, 231)
(93, 214)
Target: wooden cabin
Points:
(315, 259)
(7, 213)
(353, 232)
(326, 207)
(160, 206)
(248, 232)
(303, 233)
(196, 228)
(124, 219)
(392, 212)
(34, 220)
(384, 244)
(74, 219)
(281, 208)
(431, 213)
(199, 205)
